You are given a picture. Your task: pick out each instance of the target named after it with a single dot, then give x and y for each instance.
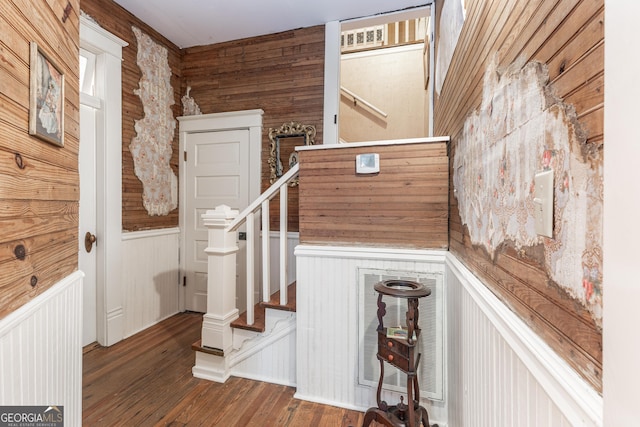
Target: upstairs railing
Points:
(222, 224)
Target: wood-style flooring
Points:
(146, 380)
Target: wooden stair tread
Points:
(258, 320)
(197, 346)
(274, 301)
(260, 309)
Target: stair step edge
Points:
(197, 346)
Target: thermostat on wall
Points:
(368, 163)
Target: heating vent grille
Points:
(430, 371)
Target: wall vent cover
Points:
(431, 369)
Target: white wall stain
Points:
(451, 22)
(521, 128)
(151, 147)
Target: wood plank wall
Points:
(39, 187)
(405, 205)
(568, 36)
(282, 73)
(113, 18)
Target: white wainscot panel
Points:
(328, 339)
(500, 372)
(150, 278)
(41, 351)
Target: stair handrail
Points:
(357, 98)
(269, 194)
(247, 217)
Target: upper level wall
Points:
(282, 74)
(113, 18)
(402, 206)
(39, 187)
(524, 92)
(391, 79)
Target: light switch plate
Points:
(367, 163)
(543, 203)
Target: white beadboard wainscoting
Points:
(328, 332)
(500, 372)
(41, 351)
(150, 277)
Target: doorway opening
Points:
(101, 112)
(384, 80)
(380, 67)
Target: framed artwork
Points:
(46, 98)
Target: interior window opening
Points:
(87, 72)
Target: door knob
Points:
(89, 240)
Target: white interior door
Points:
(216, 173)
(87, 261)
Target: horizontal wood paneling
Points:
(282, 74)
(113, 18)
(405, 205)
(568, 36)
(38, 181)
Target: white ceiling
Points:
(189, 23)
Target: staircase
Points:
(261, 308)
(260, 342)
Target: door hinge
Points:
(185, 156)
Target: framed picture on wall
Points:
(46, 98)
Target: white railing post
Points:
(221, 279)
(284, 214)
(250, 266)
(266, 252)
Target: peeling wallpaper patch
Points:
(521, 128)
(151, 147)
(189, 105)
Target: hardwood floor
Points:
(146, 380)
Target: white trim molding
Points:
(145, 234)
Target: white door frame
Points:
(108, 87)
(247, 119)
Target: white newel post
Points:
(221, 279)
